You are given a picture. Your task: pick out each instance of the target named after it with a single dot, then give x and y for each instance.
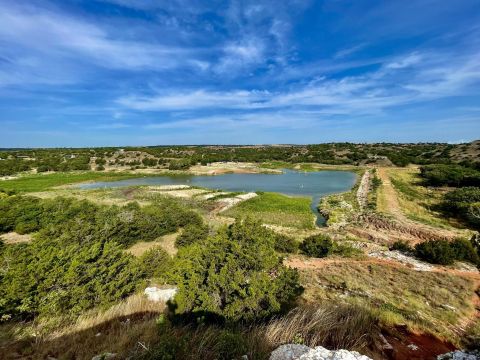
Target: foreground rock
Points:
(302, 352)
(160, 295)
(460, 355)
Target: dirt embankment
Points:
(363, 188)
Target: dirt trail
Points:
(390, 195)
(401, 223)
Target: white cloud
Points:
(405, 62)
(46, 45)
(369, 93)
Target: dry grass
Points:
(332, 326)
(122, 329)
(14, 238)
(132, 329)
(166, 242)
(431, 302)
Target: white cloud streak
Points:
(371, 93)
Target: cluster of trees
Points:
(182, 157)
(449, 175)
(235, 275)
(51, 276)
(76, 260)
(322, 245)
(465, 204)
(76, 220)
(443, 252)
(462, 202)
(13, 166)
(334, 153)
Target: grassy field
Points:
(417, 202)
(42, 182)
(425, 301)
(276, 209)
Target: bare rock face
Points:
(302, 352)
(160, 295)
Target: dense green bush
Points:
(49, 277)
(436, 252)
(77, 221)
(445, 253)
(449, 175)
(235, 275)
(464, 250)
(464, 203)
(150, 162)
(20, 213)
(402, 246)
(345, 250)
(317, 245)
(192, 233)
(285, 244)
(156, 263)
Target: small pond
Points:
(312, 184)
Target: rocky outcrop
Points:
(156, 294)
(460, 355)
(302, 352)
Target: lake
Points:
(311, 184)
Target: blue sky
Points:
(146, 72)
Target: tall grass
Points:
(138, 329)
(335, 327)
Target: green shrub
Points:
(464, 250)
(235, 275)
(345, 250)
(317, 245)
(156, 263)
(285, 244)
(402, 246)
(80, 220)
(464, 203)
(230, 345)
(48, 277)
(435, 252)
(450, 175)
(191, 234)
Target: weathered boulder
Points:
(156, 294)
(289, 352)
(302, 352)
(460, 355)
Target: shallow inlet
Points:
(314, 184)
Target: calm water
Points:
(312, 184)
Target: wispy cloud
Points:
(369, 93)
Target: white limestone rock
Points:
(302, 352)
(160, 295)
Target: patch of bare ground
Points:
(14, 238)
(167, 242)
(219, 168)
